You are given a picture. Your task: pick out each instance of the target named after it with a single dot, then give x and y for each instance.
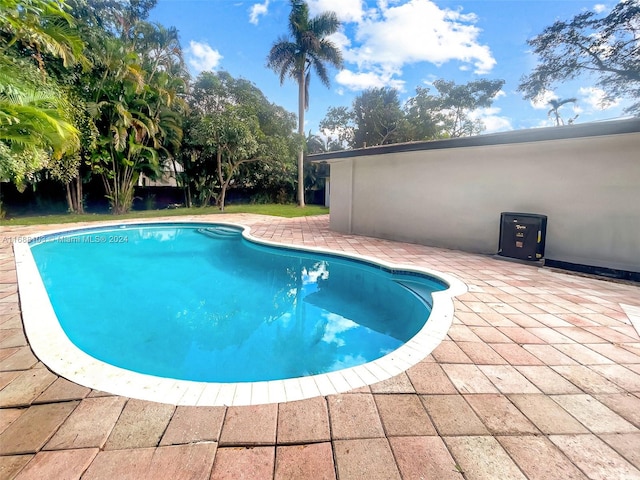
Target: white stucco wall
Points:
(452, 197)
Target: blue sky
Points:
(397, 43)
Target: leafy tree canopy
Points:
(606, 48)
(377, 117)
(448, 114)
(42, 26)
(35, 124)
(307, 48)
(232, 125)
(132, 94)
(119, 18)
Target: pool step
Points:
(220, 232)
(423, 292)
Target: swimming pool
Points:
(203, 310)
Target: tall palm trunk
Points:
(301, 107)
(309, 48)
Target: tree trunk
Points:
(70, 204)
(120, 191)
(220, 200)
(79, 201)
(207, 199)
(188, 196)
(301, 108)
(223, 194)
(74, 195)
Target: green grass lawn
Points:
(288, 211)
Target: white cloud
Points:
(492, 120)
(597, 99)
(202, 57)
(419, 31)
(334, 327)
(340, 40)
(364, 80)
(548, 122)
(405, 32)
(541, 102)
(600, 8)
(346, 10)
(258, 10)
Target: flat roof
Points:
(592, 129)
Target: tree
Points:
(116, 18)
(318, 144)
(603, 47)
(555, 105)
(231, 125)
(72, 167)
(114, 108)
(308, 49)
(375, 118)
(123, 128)
(456, 102)
(230, 136)
(423, 115)
(137, 113)
(35, 125)
(41, 26)
(379, 118)
(339, 123)
(127, 102)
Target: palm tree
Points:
(35, 123)
(161, 50)
(44, 27)
(555, 105)
(295, 57)
(136, 108)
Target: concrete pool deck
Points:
(538, 378)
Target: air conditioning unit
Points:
(522, 235)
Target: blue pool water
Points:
(199, 302)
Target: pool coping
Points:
(58, 353)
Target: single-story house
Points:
(584, 178)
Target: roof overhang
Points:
(592, 129)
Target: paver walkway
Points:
(538, 378)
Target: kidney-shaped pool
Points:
(202, 314)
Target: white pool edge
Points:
(52, 346)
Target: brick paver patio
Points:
(539, 378)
